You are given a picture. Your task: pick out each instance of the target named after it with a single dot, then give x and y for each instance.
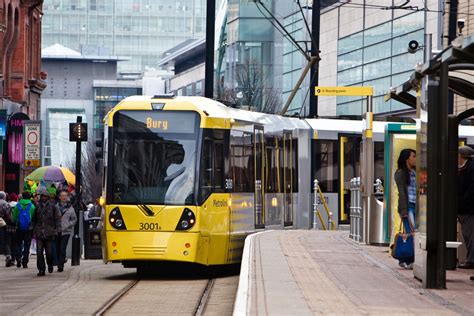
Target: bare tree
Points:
(251, 89)
(91, 179)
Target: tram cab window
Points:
(154, 157)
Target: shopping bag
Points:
(403, 246)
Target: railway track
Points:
(131, 292)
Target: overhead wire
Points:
(313, 41)
(280, 28)
(409, 8)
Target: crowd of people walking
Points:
(47, 217)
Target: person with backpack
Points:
(9, 228)
(47, 226)
(68, 220)
(23, 214)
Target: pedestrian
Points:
(13, 200)
(466, 202)
(68, 220)
(47, 226)
(23, 214)
(9, 229)
(405, 179)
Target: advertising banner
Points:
(3, 123)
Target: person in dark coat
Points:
(405, 179)
(47, 226)
(68, 220)
(9, 230)
(466, 202)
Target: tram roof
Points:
(344, 126)
(213, 113)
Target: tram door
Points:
(349, 166)
(288, 178)
(259, 150)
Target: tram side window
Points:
(241, 161)
(379, 163)
(212, 163)
(250, 161)
(271, 166)
(326, 170)
(206, 166)
(294, 166)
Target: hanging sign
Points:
(32, 143)
(343, 91)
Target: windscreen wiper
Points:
(145, 208)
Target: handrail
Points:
(328, 212)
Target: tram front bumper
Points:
(166, 246)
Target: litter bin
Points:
(376, 220)
(92, 238)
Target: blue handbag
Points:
(403, 246)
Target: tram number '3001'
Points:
(149, 226)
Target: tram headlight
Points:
(116, 219)
(187, 220)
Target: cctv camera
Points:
(461, 24)
(413, 46)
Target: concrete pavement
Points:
(317, 272)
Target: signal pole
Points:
(314, 74)
(210, 37)
(78, 134)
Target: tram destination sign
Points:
(343, 91)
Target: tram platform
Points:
(300, 272)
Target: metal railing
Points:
(316, 213)
(356, 229)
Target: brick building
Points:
(21, 79)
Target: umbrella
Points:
(52, 174)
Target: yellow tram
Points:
(183, 181)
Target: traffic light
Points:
(99, 153)
(77, 132)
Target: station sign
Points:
(32, 143)
(344, 91)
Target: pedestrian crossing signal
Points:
(78, 132)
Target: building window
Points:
(199, 91)
(189, 90)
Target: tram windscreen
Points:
(154, 157)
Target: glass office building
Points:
(378, 57)
(139, 29)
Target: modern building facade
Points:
(465, 12)
(371, 49)
(187, 64)
(21, 81)
(139, 29)
(78, 85)
(361, 43)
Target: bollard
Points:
(315, 204)
(351, 210)
(360, 222)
